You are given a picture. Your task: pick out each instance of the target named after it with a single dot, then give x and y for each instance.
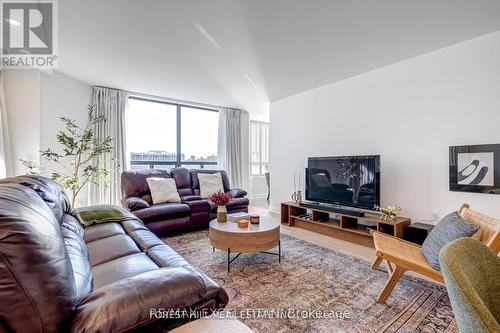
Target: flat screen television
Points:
(352, 181)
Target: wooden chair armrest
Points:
(380, 235)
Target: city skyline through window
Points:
(171, 135)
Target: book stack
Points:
(234, 217)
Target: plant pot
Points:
(221, 214)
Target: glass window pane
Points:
(255, 169)
(254, 143)
(151, 133)
(265, 142)
(199, 136)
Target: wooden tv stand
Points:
(351, 228)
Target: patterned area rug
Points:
(311, 277)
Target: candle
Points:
(294, 187)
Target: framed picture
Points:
(475, 168)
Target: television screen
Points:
(349, 180)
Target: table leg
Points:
(279, 251)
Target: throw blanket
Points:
(90, 215)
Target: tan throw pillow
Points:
(163, 190)
(210, 184)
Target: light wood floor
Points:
(363, 252)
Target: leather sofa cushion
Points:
(109, 248)
(125, 305)
(163, 226)
(165, 256)
(235, 203)
(39, 278)
(191, 198)
(133, 183)
(50, 191)
(121, 268)
(100, 231)
(145, 239)
(182, 178)
(163, 212)
(199, 206)
(196, 182)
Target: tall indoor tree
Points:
(79, 149)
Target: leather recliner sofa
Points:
(193, 212)
(57, 276)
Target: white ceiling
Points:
(246, 53)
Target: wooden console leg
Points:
(376, 262)
(391, 283)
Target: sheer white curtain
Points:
(233, 148)
(112, 104)
(6, 163)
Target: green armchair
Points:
(471, 273)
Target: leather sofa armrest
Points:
(134, 203)
(130, 303)
(237, 193)
(191, 198)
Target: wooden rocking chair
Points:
(407, 256)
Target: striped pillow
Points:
(451, 227)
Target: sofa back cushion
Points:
(196, 182)
(134, 184)
(49, 190)
(183, 181)
(38, 287)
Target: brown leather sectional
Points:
(56, 276)
(192, 213)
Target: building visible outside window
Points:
(259, 148)
(164, 135)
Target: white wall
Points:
(60, 96)
(409, 113)
(22, 97)
(35, 100)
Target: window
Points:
(166, 135)
(259, 148)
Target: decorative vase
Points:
(221, 214)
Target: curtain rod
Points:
(168, 100)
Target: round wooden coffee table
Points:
(255, 238)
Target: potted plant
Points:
(75, 162)
(220, 199)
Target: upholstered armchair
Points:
(471, 273)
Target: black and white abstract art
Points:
(475, 168)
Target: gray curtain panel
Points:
(233, 152)
(112, 104)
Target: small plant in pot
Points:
(220, 199)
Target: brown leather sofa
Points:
(56, 276)
(192, 213)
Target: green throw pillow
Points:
(101, 214)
